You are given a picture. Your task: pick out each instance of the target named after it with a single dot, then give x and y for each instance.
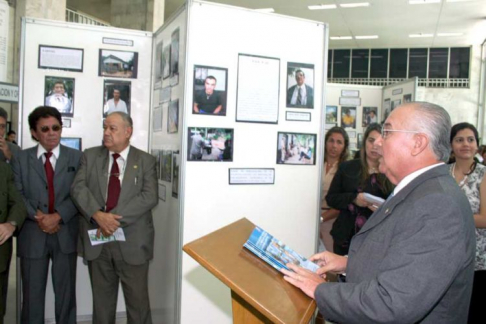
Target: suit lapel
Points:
(37, 164)
(131, 171)
(102, 169)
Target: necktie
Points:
(114, 187)
(50, 180)
(299, 97)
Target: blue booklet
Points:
(275, 252)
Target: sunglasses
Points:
(55, 128)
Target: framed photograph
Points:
(66, 123)
(350, 93)
(298, 116)
(386, 108)
(174, 53)
(397, 91)
(370, 116)
(395, 104)
(166, 62)
(348, 117)
(72, 142)
(158, 62)
(118, 64)
(166, 165)
(61, 58)
(162, 192)
(407, 98)
(156, 154)
(296, 148)
(360, 140)
(331, 114)
(173, 117)
(210, 90)
(116, 96)
(175, 174)
(157, 123)
(210, 144)
(59, 93)
(300, 85)
(251, 176)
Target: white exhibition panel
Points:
(289, 208)
(398, 93)
(88, 107)
(370, 96)
(164, 271)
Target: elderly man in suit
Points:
(12, 215)
(43, 175)
(301, 94)
(413, 261)
(115, 190)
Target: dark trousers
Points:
(34, 281)
(476, 310)
(106, 272)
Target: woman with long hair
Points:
(469, 175)
(352, 180)
(335, 152)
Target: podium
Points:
(258, 291)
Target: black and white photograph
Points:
(116, 96)
(166, 165)
(157, 122)
(61, 58)
(209, 95)
(296, 148)
(175, 174)
(210, 144)
(300, 85)
(370, 116)
(72, 142)
(173, 117)
(158, 62)
(118, 64)
(166, 62)
(348, 117)
(331, 115)
(156, 154)
(407, 98)
(386, 108)
(174, 53)
(59, 93)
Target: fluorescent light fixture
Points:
(341, 37)
(322, 7)
(367, 37)
(267, 10)
(449, 34)
(423, 1)
(354, 5)
(420, 35)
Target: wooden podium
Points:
(259, 293)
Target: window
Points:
(379, 63)
(329, 64)
(359, 64)
(459, 63)
(398, 63)
(341, 64)
(438, 63)
(417, 63)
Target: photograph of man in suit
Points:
(12, 215)
(115, 190)
(208, 101)
(43, 175)
(414, 258)
(7, 149)
(300, 94)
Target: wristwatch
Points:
(13, 223)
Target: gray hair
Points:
(433, 120)
(125, 117)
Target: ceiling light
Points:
(322, 7)
(367, 37)
(420, 35)
(422, 1)
(341, 37)
(267, 10)
(354, 5)
(449, 34)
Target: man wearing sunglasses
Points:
(7, 149)
(43, 175)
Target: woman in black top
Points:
(352, 179)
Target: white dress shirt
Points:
(303, 94)
(55, 155)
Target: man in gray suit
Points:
(115, 190)
(43, 175)
(413, 260)
(7, 149)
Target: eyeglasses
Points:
(55, 128)
(386, 132)
(3, 126)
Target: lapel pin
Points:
(135, 166)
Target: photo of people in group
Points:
(293, 148)
(210, 144)
(210, 84)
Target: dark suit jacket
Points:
(13, 148)
(12, 208)
(31, 181)
(412, 262)
(309, 93)
(139, 194)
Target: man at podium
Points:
(413, 261)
